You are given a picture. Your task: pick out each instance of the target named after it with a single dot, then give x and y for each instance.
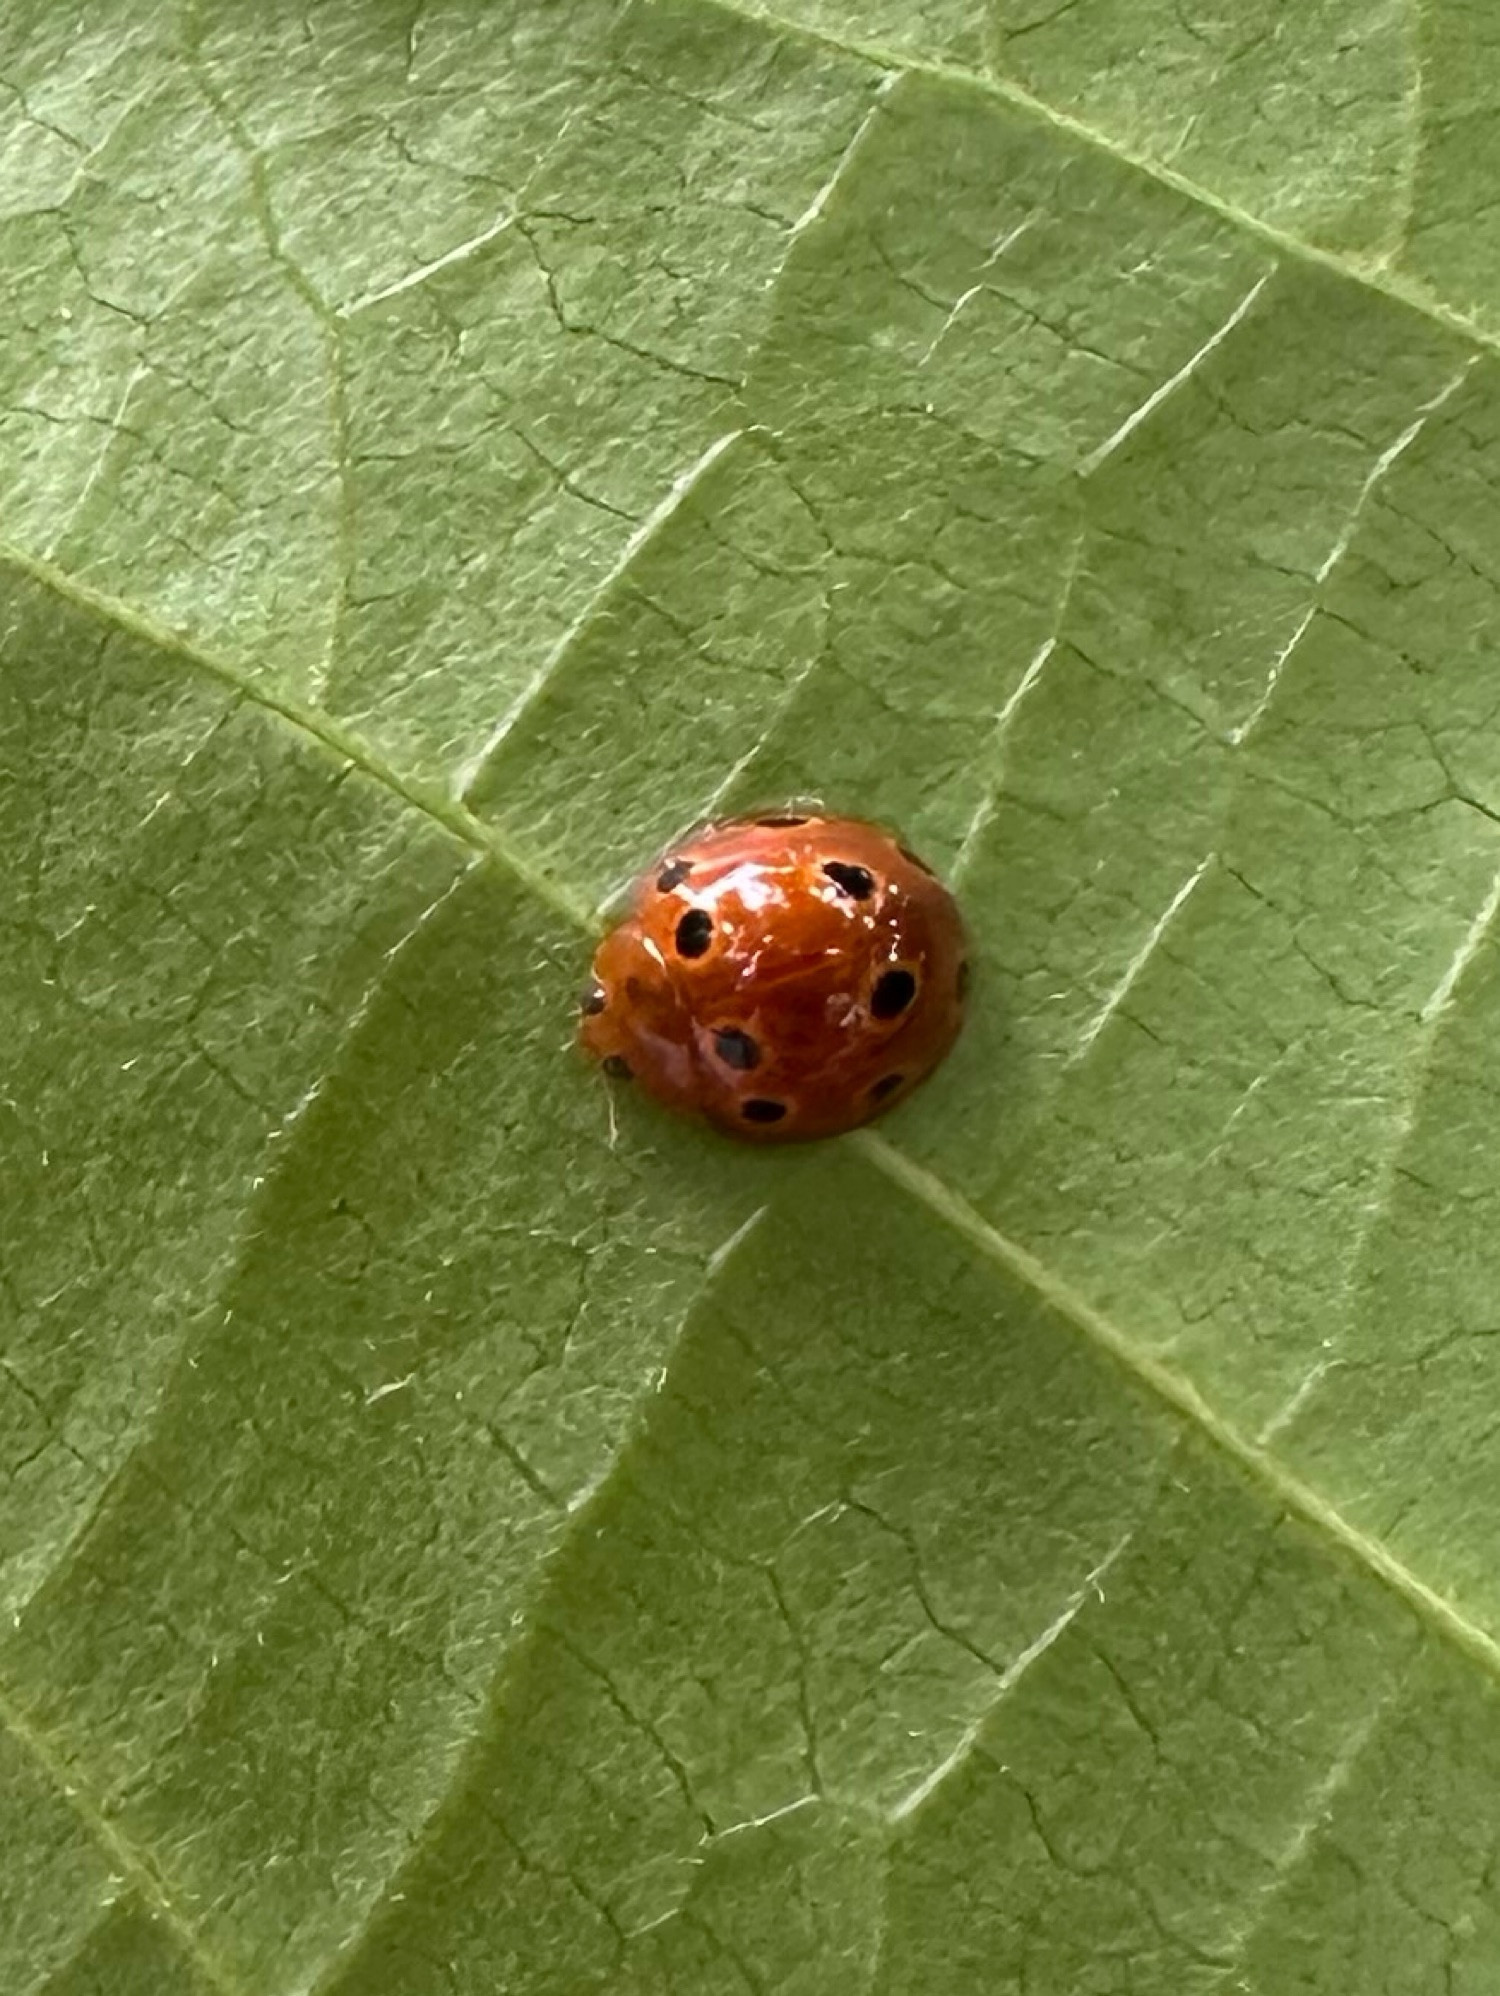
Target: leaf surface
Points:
(461, 1533)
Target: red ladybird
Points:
(785, 976)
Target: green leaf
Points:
(462, 1532)
(1364, 130)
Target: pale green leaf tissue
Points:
(460, 1537)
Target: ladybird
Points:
(785, 976)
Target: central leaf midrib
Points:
(310, 723)
(930, 1191)
(1291, 1493)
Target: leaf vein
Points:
(126, 1857)
(311, 723)
(1367, 277)
(1287, 1490)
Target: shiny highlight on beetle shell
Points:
(786, 976)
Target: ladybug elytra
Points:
(785, 976)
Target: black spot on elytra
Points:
(856, 881)
(694, 932)
(673, 874)
(886, 1085)
(736, 1049)
(894, 991)
(593, 1001)
(617, 1067)
(759, 1109)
